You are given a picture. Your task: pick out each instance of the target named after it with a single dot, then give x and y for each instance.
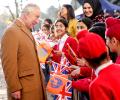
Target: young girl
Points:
(60, 27)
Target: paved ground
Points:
(3, 93)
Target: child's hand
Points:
(75, 72)
(74, 67)
(81, 62)
(58, 52)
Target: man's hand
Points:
(16, 95)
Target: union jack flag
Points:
(59, 69)
(64, 69)
(54, 68)
(66, 92)
(65, 61)
(40, 37)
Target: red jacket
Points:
(118, 60)
(87, 75)
(107, 85)
(73, 44)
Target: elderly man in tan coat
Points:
(19, 58)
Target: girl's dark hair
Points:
(70, 11)
(62, 20)
(99, 28)
(47, 26)
(48, 20)
(96, 61)
(87, 21)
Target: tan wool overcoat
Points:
(20, 63)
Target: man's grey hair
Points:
(29, 8)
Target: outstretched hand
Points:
(16, 95)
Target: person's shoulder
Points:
(71, 40)
(99, 18)
(10, 30)
(114, 69)
(11, 27)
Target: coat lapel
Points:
(27, 32)
(24, 29)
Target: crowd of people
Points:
(90, 44)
